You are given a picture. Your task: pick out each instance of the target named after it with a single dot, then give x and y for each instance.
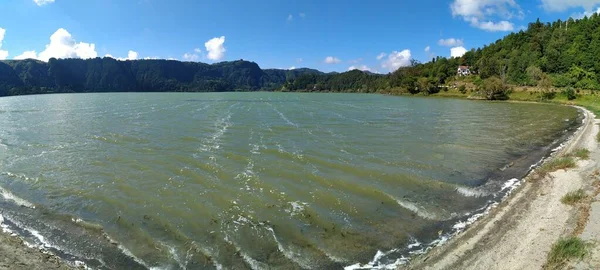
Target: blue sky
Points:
(329, 35)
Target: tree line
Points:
(561, 54)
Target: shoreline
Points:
(16, 254)
(519, 232)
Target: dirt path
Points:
(520, 232)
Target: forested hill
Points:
(110, 75)
(548, 55)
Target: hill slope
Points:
(110, 75)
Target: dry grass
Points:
(559, 163)
(581, 153)
(573, 197)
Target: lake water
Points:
(257, 180)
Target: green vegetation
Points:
(546, 62)
(18, 77)
(546, 56)
(573, 197)
(581, 153)
(564, 250)
(560, 163)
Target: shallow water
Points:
(256, 180)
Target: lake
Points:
(258, 180)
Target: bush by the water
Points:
(494, 89)
(569, 92)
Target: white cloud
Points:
(588, 14)
(427, 49)
(332, 60)
(396, 60)
(290, 18)
(359, 67)
(62, 45)
(451, 42)
(292, 68)
(457, 51)
(3, 54)
(562, 5)
(215, 48)
(151, 58)
(299, 60)
(43, 2)
(190, 57)
(480, 13)
(381, 56)
(132, 55)
(493, 26)
(195, 56)
(26, 55)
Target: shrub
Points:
(494, 89)
(569, 92)
(462, 89)
(547, 95)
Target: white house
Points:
(463, 71)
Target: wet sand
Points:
(14, 254)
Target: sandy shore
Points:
(14, 254)
(519, 233)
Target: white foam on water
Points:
(511, 185)
(204, 251)
(80, 264)
(415, 243)
(128, 253)
(295, 257)
(457, 228)
(420, 211)
(174, 255)
(376, 262)
(222, 126)
(283, 117)
(254, 264)
(297, 208)
(471, 192)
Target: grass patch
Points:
(556, 164)
(573, 197)
(581, 153)
(598, 137)
(564, 250)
